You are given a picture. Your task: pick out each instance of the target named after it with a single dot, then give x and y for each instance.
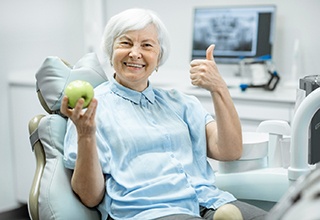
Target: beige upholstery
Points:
(40, 163)
(51, 195)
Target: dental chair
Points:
(51, 196)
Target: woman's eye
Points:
(125, 43)
(147, 45)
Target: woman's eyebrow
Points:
(124, 37)
(150, 40)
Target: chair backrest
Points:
(51, 195)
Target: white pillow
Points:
(54, 75)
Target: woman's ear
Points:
(159, 59)
(111, 59)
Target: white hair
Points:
(131, 20)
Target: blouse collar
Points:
(132, 95)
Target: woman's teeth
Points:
(134, 65)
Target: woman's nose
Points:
(135, 52)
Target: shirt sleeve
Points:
(71, 148)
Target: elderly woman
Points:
(139, 152)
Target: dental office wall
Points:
(31, 30)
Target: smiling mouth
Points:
(135, 65)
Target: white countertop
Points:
(22, 78)
(280, 94)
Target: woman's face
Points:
(135, 57)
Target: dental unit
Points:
(260, 176)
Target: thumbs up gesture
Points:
(205, 74)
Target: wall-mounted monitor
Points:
(237, 31)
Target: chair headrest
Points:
(55, 74)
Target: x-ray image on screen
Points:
(233, 34)
(237, 32)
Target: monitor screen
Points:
(237, 31)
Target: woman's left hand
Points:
(205, 74)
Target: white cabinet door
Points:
(24, 105)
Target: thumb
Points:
(209, 52)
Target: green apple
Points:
(79, 89)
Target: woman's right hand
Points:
(83, 120)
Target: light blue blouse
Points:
(152, 148)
